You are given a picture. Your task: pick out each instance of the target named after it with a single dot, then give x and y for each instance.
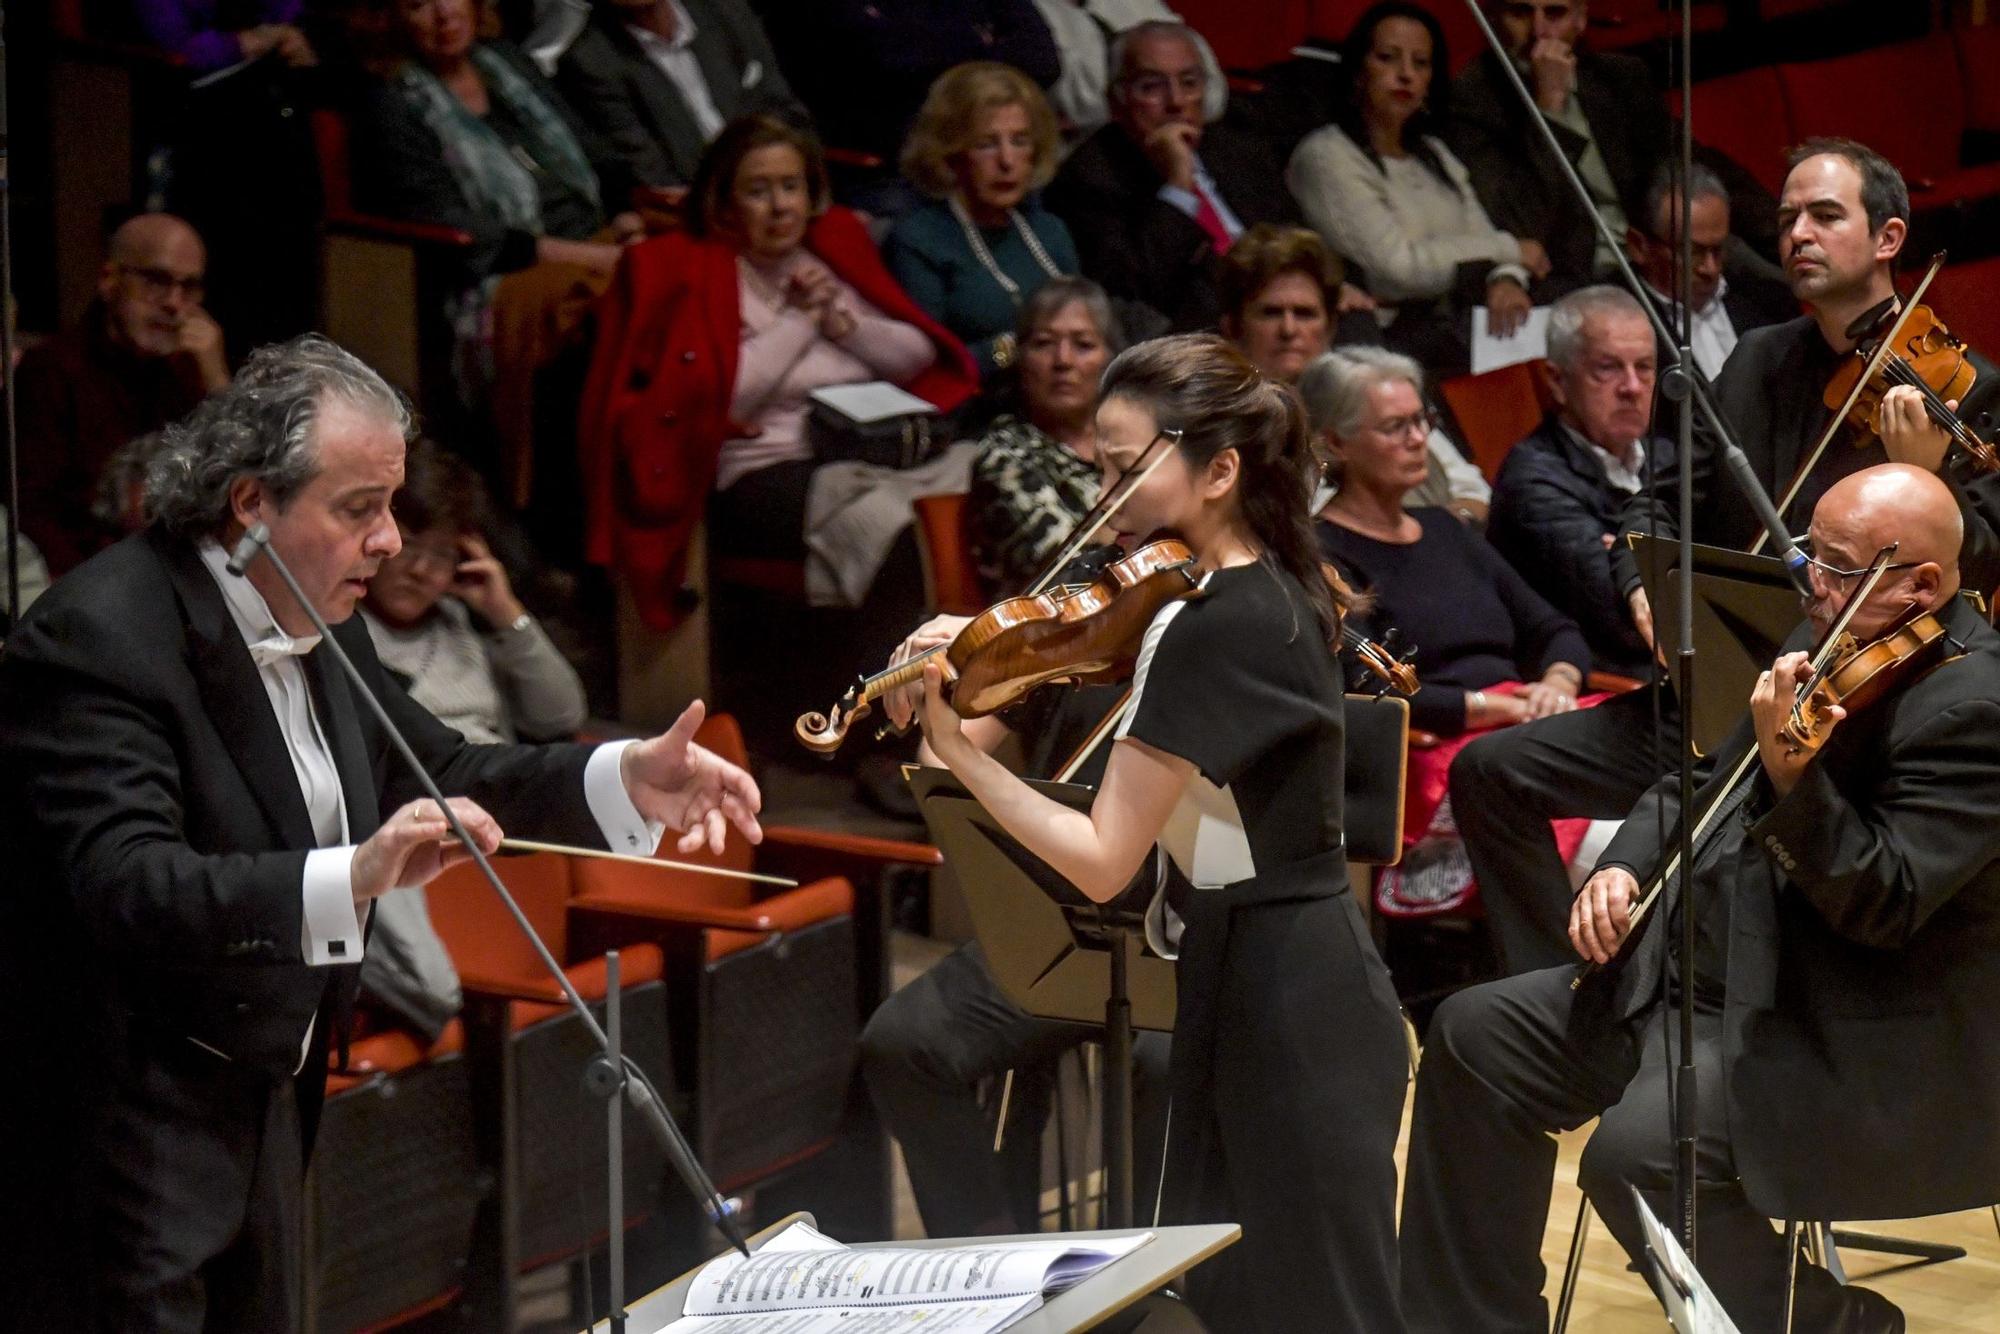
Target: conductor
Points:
(198, 812)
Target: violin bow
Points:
(1821, 654)
(1883, 351)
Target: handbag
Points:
(874, 423)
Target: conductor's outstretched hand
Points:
(690, 788)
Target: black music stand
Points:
(1745, 607)
(1058, 955)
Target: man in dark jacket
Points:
(198, 811)
(1562, 491)
(1847, 916)
(656, 80)
(1605, 111)
(1155, 197)
(143, 355)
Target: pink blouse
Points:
(784, 357)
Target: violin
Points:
(1860, 674)
(1390, 668)
(1079, 633)
(1924, 354)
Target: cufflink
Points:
(337, 948)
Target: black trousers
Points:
(1506, 787)
(194, 1198)
(925, 1052)
(1507, 1064)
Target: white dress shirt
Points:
(1713, 335)
(675, 57)
(1617, 471)
(1189, 202)
(330, 926)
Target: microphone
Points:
(246, 549)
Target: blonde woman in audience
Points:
(1385, 192)
(982, 148)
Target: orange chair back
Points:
(1497, 409)
(479, 931)
(944, 539)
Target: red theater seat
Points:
(1745, 116)
(1497, 409)
(1249, 36)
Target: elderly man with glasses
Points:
(1156, 196)
(143, 355)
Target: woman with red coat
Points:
(710, 342)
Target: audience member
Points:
(1558, 502)
(656, 80)
(1605, 110)
(144, 354)
(709, 346)
(1083, 32)
(445, 622)
(120, 499)
(1279, 287)
(1036, 473)
(865, 66)
(208, 35)
(464, 132)
(1155, 196)
(1489, 650)
(1451, 481)
(1385, 192)
(983, 144)
(1729, 292)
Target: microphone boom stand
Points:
(611, 1067)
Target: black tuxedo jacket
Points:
(1522, 187)
(152, 804)
(1770, 393)
(1552, 506)
(637, 111)
(1861, 1061)
(1142, 248)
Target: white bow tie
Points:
(277, 646)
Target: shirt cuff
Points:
(1185, 200)
(624, 829)
(1515, 273)
(330, 928)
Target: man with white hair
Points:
(1561, 493)
(199, 811)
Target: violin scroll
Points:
(822, 733)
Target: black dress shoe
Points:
(1865, 1311)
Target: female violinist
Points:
(1289, 1063)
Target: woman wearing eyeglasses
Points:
(1489, 650)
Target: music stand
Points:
(1745, 607)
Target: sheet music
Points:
(1530, 342)
(1691, 1307)
(802, 1282)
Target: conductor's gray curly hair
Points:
(261, 426)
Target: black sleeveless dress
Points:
(1289, 1061)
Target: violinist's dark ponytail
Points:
(1202, 386)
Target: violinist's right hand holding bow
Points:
(1601, 916)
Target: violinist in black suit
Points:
(1843, 224)
(1156, 196)
(198, 811)
(1847, 965)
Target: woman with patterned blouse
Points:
(1037, 471)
